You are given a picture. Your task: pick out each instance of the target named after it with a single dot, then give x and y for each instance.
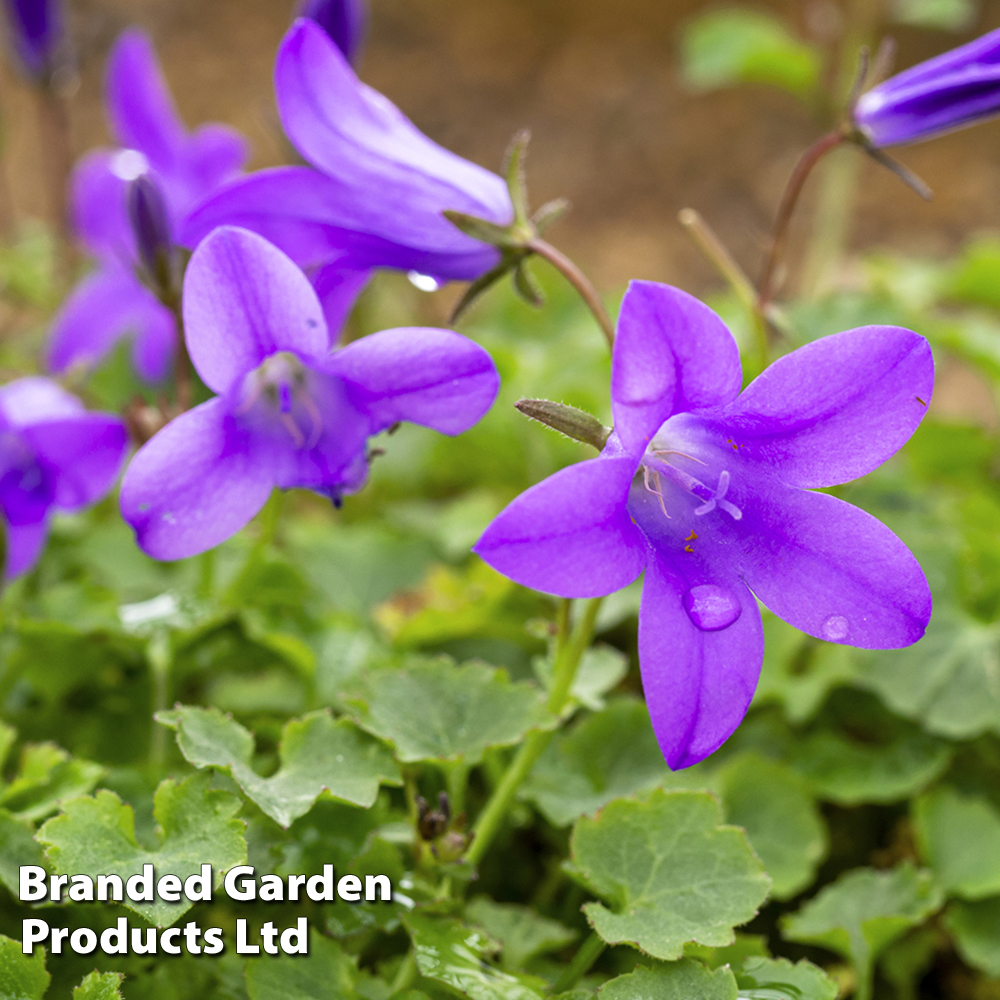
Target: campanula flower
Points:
(343, 20)
(180, 167)
(955, 89)
(288, 412)
(708, 490)
(37, 32)
(54, 456)
(377, 186)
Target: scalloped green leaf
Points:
(684, 980)
(777, 978)
(976, 929)
(317, 755)
(864, 911)
(47, 774)
(959, 837)
(22, 977)
(669, 871)
(442, 712)
(452, 953)
(522, 933)
(99, 986)
(17, 847)
(195, 824)
(327, 971)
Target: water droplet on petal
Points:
(712, 607)
(835, 628)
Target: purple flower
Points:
(181, 167)
(288, 412)
(54, 455)
(343, 20)
(708, 490)
(37, 31)
(955, 89)
(379, 185)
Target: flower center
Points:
(279, 392)
(658, 470)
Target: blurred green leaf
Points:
(863, 912)
(669, 870)
(17, 847)
(777, 978)
(197, 826)
(99, 986)
(959, 837)
(22, 977)
(976, 929)
(442, 712)
(521, 931)
(46, 775)
(327, 971)
(601, 669)
(317, 755)
(740, 45)
(951, 15)
(684, 980)
(975, 276)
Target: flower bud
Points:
(147, 213)
(37, 31)
(343, 20)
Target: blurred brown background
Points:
(597, 82)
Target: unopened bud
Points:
(432, 823)
(147, 213)
(567, 420)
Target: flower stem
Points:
(406, 974)
(786, 209)
(579, 281)
(159, 657)
(206, 574)
(569, 651)
(456, 777)
(54, 128)
(590, 951)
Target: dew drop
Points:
(712, 607)
(835, 628)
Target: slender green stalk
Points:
(160, 658)
(569, 651)
(270, 518)
(406, 975)
(456, 776)
(590, 951)
(206, 574)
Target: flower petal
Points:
(34, 398)
(570, 534)
(214, 153)
(828, 568)
(24, 546)
(85, 452)
(196, 483)
(245, 300)
(338, 288)
(698, 684)
(436, 378)
(836, 408)
(672, 354)
(100, 211)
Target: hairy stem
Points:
(579, 281)
(569, 651)
(590, 951)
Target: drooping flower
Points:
(378, 185)
(708, 490)
(957, 88)
(288, 412)
(343, 20)
(54, 456)
(37, 31)
(180, 167)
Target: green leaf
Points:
(327, 971)
(669, 871)
(317, 754)
(17, 847)
(438, 711)
(605, 756)
(976, 275)
(46, 775)
(951, 15)
(864, 911)
(601, 669)
(780, 817)
(99, 986)
(947, 681)
(959, 837)
(685, 980)
(976, 929)
(777, 978)
(738, 45)
(521, 931)
(452, 953)
(196, 825)
(848, 772)
(22, 977)
(8, 736)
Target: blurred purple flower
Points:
(379, 185)
(288, 412)
(37, 33)
(343, 20)
(708, 490)
(181, 167)
(955, 89)
(54, 455)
